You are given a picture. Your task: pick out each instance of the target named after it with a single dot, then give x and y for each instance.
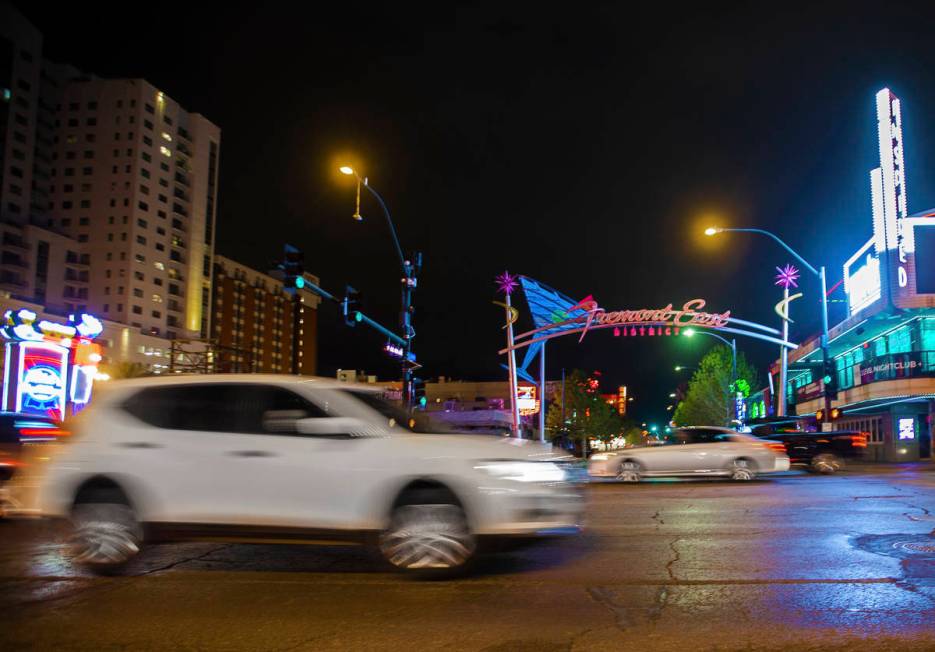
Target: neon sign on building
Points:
(49, 367)
(884, 267)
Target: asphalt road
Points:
(795, 562)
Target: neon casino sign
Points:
(48, 366)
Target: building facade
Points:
(884, 351)
(108, 194)
(135, 182)
(260, 325)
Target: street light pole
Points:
(820, 273)
(409, 281)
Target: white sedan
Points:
(294, 459)
(707, 451)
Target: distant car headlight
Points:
(600, 457)
(523, 471)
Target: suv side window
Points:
(224, 407)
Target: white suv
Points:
(298, 459)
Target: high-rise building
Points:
(135, 182)
(108, 189)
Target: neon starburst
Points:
(507, 282)
(787, 276)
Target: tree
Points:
(586, 414)
(709, 400)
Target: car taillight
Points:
(859, 441)
(776, 447)
(43, 432)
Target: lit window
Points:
(166, 136)
(157, 298)
(160, 266)
(165, 150)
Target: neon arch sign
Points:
(587, 315)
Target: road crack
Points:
(172, 565)
(676, 557)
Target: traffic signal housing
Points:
(822, 416)
(293, 267)
(418, 393)
(829, 377)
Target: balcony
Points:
(13, 261)
(11, 240)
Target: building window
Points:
(143, 206)
(157, 298)
(137, 310)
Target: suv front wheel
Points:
(428, 532)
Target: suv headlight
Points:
(523, 471)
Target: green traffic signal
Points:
(358, 316)
(299, 282)
(422, 401)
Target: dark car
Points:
(822, 452)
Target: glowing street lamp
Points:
(672, 395)
(819, 272)
(409, 281)
(681, 368)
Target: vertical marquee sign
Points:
(886, 268)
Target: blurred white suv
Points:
(297, 459)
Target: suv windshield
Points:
(418, 422)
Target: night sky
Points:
(584, 146)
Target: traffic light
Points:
(418, 393)
(351, 298)
(832, 415)
(829, 377)
(293, 267)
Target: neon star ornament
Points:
(787, 276)
(507, 282)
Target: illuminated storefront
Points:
(884, 351)
(49, 367)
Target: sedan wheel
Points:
(741, 471)
(826, 464)
(428, 537)
(105, 536)
(629, 472)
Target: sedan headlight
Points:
(600, 457)
(523, 471)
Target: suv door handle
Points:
(251, 454)
(139, 444)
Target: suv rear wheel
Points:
(105, 532)
(428, 531)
